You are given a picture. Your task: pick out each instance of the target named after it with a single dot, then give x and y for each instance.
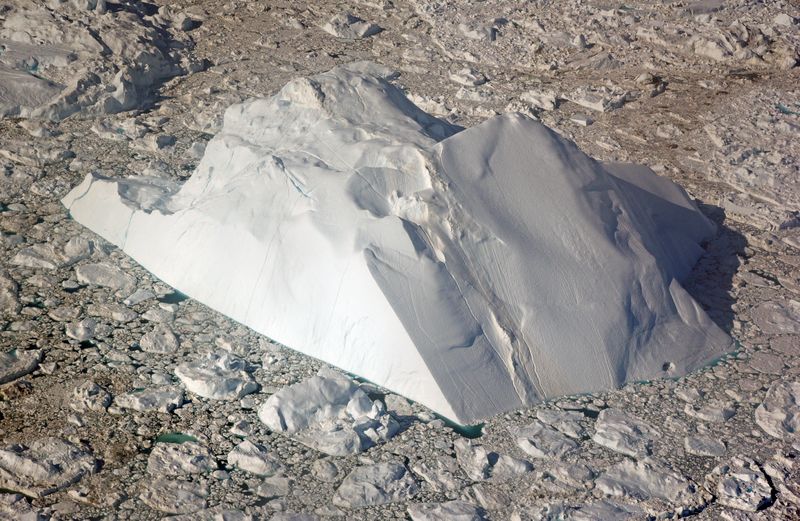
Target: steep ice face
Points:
(474, 271)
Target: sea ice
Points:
(474, 271)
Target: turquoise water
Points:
(174, 437)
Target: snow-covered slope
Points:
(473, 271)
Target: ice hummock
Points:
(474, 271)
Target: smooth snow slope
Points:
(472, 271)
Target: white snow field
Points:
(474, 271)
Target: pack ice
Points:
(474, 271)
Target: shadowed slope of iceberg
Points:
(473, 271)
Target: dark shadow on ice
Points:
(711, 280)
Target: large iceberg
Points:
(474, 271)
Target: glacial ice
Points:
(474, 271)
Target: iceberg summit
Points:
(474, 271)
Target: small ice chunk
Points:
(450, 511)
(276, 486)
(377, 484)
(712, 411)
(105, 275)
(624, 433)
(138, 296)
(779, 413)
(217, 376)
(329, 413)
(645, 479)
(175, 497)
(46, 466)
(163, 399)
(441, 474)
(254, 458)
(160, 340)
(742, 485)
(81, 331)
(480, 464)
(350, 27)
(177, 459)
(17, 363)
(468, 77)
(777, 317)
(90, 397)
(541, 441)
(9, 295)
(704, 446)
(545, 100)
(570, 423)
(582, 119)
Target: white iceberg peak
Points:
(474, 271)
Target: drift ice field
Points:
(472, 270)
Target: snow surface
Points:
(474, 271)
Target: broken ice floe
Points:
(329, 413)
(405, 289)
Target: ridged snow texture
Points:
(474, 271)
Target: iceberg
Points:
(472, 270)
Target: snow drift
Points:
(474, 271)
